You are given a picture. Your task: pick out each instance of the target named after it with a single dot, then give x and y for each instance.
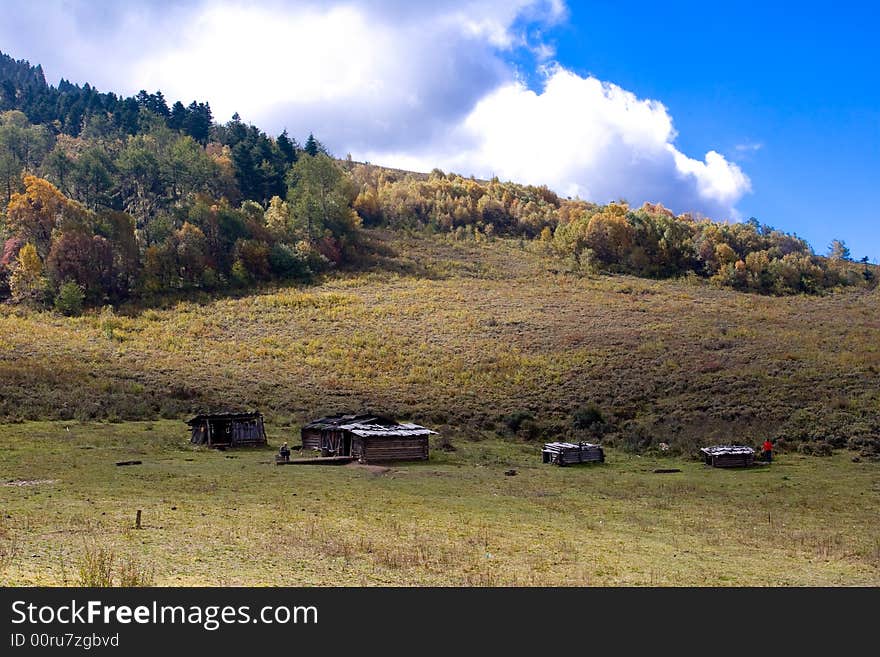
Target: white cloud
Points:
(412, 84)
(749, 147)
(582, 137)
(360, 75)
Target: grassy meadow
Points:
(495, 345)
(234, 518)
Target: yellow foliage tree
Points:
(725, 255)
(34, 213)
(609, 234)
(27, 282)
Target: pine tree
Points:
(287, 147)
(313, 146)
(178, 116)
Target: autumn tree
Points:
(222, 226)
(278, 220)
(724, 255)
(609, 235)
(224, 184)
(838, 250)
(367, 205)
(84, 259)
(254, 256)
(33, 214)
(191, 252)
(27, 282)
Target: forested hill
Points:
(68, 108)
(105, 199)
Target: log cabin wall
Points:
(228, 430)
(357, 447)
(199, 434)
(366, 437)
(311, 438)
(248, 433)
(393, 449)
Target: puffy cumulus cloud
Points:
(582, 137)
(411, 84)
(358, 73)
(350, 73)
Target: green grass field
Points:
(234, 518)
(462, 337)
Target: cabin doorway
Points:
(336, 443)
(221, 433)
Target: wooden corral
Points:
(571, 453)
(228, 430)
(728, 456)
(367, 438)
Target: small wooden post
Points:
(137, 520)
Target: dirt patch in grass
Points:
(29, 482)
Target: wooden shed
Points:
(728, 456)
(367, 437)
(228, 430)
(570, 453)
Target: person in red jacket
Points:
(767, 450)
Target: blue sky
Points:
(731, 110)
(800, 83)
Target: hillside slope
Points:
(481, 338)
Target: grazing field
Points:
(234, 518)
(477, 339)
(498, 347)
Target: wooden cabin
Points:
(728, 456)
(571, 453)
(228, 430)
(367, 437)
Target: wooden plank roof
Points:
(226, 415)
(369, 424)
(395, 430)
(724, 450)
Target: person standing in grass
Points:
(284, 452)
(767, 450)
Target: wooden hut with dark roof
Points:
(367, 437)
(728, 456)
(228, 430)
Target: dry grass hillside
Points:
(489, 338)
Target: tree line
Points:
(105, 199)
(649, 241)
(105, 217)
